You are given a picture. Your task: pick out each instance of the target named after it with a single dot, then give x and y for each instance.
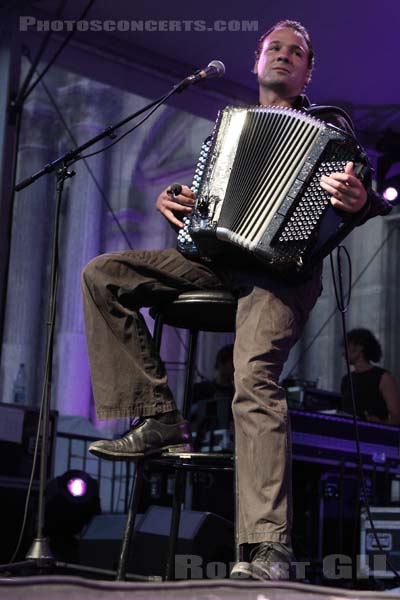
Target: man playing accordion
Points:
(129, 379)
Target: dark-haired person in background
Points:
(212, 402)
(376, 391)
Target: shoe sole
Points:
(242, 570)
(109, 455)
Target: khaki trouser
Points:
(129, 379)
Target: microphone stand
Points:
(39, 554)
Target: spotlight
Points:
(391, 189)
(72, 500)
(391, 194)
(77, 487)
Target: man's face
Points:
(283, 62)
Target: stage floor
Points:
(76, 588)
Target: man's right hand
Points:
(174, 208)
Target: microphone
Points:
(215, 68)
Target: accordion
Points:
(258, 190)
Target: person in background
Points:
(376, 391)
(212, 402)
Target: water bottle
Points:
(19, 387)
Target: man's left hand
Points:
(347, 191)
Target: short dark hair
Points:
(296, 26)
(224, 355)
(371, 347)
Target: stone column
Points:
(88, 108)
(390, 337)
(26, 302)
(10, 65)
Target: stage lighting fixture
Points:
(390, 193)
(391, 189)
(77, 487)
(72, 500)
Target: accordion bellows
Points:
(258, 191)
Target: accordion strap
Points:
(323, 112)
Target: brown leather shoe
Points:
(150, 436)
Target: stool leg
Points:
(179, 490)
(130, 520)
(187, 397)
(180, 476)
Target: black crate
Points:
(372, 560)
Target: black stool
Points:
(196, 311)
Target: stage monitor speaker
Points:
(18, 428)
(100, 544)
(204, 538)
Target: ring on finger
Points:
(174, 189)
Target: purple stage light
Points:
(77, 487)
(75, 496)
(390, 194)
